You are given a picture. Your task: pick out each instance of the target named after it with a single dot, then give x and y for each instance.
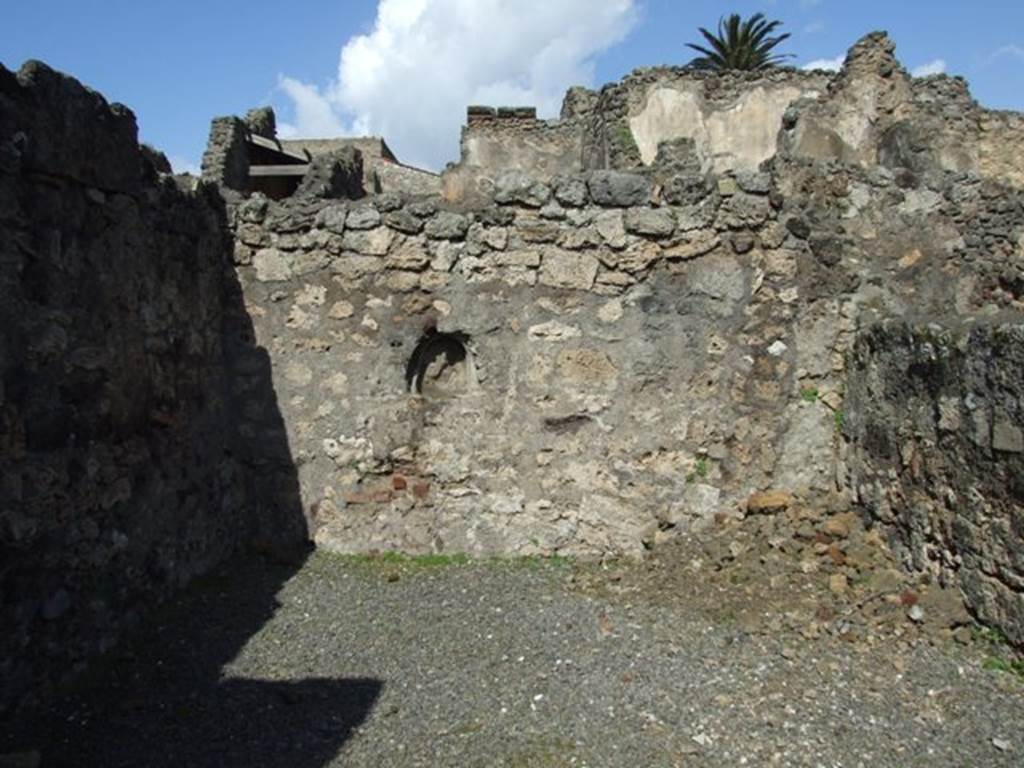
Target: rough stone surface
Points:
(612, 357)
(934, 416)
(124, 367)
(615, 188)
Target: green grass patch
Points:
(1000, 664)
(809, 394)
(837, 418)
(990, 635)
(700, 470)
(534, 562)
(999, 659)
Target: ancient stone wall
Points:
(937, 453)
(617, 362)
(874, 112)
(495, 141)
(121, 476)
(580, 361)
(733, 118)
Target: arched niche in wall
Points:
(441, 365)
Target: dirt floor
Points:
(787, 638)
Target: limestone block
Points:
(272, 265)
(719, 278)
(333, 218)
(341, 310)
(308, 262)
(636, 258)
(693, 244)
(409, 254)
(522, 258)
(311, 295)
(447, 226)
(446, 255)
(566, 269)
(610, 312)
(580, 238)
(369, 242)
(1007, 437)
(611, 226)
(699, 215)
(401, 281)
(404, 221)
(655, 222)
(362, 217)
(696, 511)
(491, 237)
(355, 266)
(537, 230)
(586, 367)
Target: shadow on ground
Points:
(162, 700)
(161, 697)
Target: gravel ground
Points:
(361, 662)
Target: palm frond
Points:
(746, 44)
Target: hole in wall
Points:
(441, 365)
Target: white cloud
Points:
(1013, 51)
(181, 164)
(314, 116)
(936, 67)
(814, 28)
(411, 77)
(832, 65)
(808, 4)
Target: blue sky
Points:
(410, 66)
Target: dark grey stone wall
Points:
(935, 416)
(120, 474)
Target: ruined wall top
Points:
(870, 112)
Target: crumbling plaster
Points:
(738, 137)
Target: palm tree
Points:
(740, 44)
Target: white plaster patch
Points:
(739, 137)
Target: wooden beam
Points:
(275, 146)
(278, 170)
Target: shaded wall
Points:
(122, 475)
(937, 453)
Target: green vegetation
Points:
(999, 650)
(990, 635)
(700, 469)
(624, 138)
(532, 562)
(739, 44)
(1001, 664)
(809, 394)
(837, 417)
